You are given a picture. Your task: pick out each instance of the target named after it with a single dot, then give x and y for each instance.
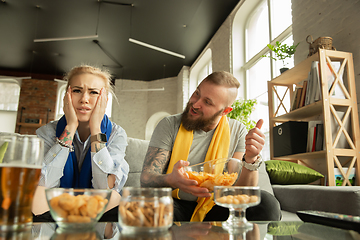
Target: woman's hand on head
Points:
(98, 112)
(69, 111)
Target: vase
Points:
(283, 69)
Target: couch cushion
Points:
(337, 199)
(135, 155)
(264, 181)
(285, 172)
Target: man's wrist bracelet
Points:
(64, 144)
(252, 166)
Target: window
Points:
(59, 100)
(258, 31)
(9, 101)
(204, 71)
(198, 72)
(9, 95)
(270, 21)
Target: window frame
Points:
(248, 64)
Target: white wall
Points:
(183, 93)
(136, 107)
(164, 101)
(130, 112)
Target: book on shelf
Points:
(319, 140)
(303, 93)
(296, 99)
(293, 100)
(317, 81)
(308, 90)
(313, 89)
(310, 141)
(312, 134)
(316, 133)
(299, 96)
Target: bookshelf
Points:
(281, 92)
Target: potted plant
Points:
(242, 110)
(281, 52)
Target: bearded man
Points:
(184, 139)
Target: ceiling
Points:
(181, 26)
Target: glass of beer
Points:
(21, 157)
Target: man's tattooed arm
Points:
(156, 160)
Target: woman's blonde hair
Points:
(100, 72)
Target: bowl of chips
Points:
(145, 210)
(77, 208)
(217, 172)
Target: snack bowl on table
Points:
(237, 199)
(77, 208)
(145, 210)
(217, 172)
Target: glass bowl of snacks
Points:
(145, 209)
(77, 208)
(217, 172)
(237, 199)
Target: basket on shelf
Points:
(321, 42)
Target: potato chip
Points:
(209, 180)
(77, 209)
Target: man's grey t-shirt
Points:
(166, 131)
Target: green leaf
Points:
(242, 110)
(281, 51)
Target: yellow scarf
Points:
(218, 148)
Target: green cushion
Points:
(284, 228)
(285, 172)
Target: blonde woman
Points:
(83, 149)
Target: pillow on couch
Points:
(285, 172)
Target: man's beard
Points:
(200, 123)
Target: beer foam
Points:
(20, 164)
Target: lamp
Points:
(144, 90)
(63, 39)
(156, 48)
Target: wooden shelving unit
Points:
(31, 125)
(34, 125)
(325, 110)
